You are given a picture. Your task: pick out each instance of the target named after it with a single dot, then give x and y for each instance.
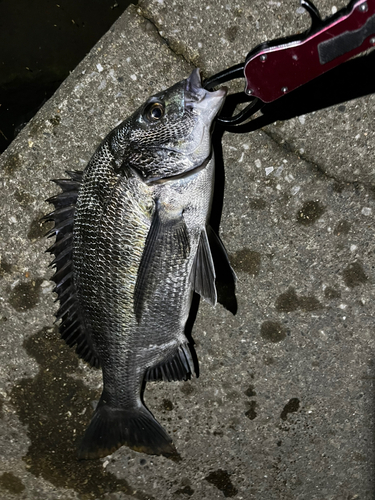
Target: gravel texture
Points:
(284, 405)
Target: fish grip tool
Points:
(277, 67)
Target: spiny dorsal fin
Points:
(71, 328)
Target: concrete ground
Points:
(284, 405)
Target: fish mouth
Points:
(208, 104)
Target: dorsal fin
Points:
(71, 328)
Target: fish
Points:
(133, 243)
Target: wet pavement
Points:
(284, 405)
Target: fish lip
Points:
(193, 85)
(194, 82)
(206, 102)
(194, 92)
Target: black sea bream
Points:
(132, 245)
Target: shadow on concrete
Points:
(344, 83)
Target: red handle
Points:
(276, 68)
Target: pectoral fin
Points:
(167, 243)
(203, 274)
(225, 276)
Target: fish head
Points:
(169, 135)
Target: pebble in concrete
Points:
(284, 404)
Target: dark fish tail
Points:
(136, 428)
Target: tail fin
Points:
(136, 428)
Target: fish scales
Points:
(140, 246)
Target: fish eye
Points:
(154, 111)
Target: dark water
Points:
(40, 43)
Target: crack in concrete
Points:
(318, 168)
(175, 47)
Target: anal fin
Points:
(177, 366)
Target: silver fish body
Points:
(138, 247)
